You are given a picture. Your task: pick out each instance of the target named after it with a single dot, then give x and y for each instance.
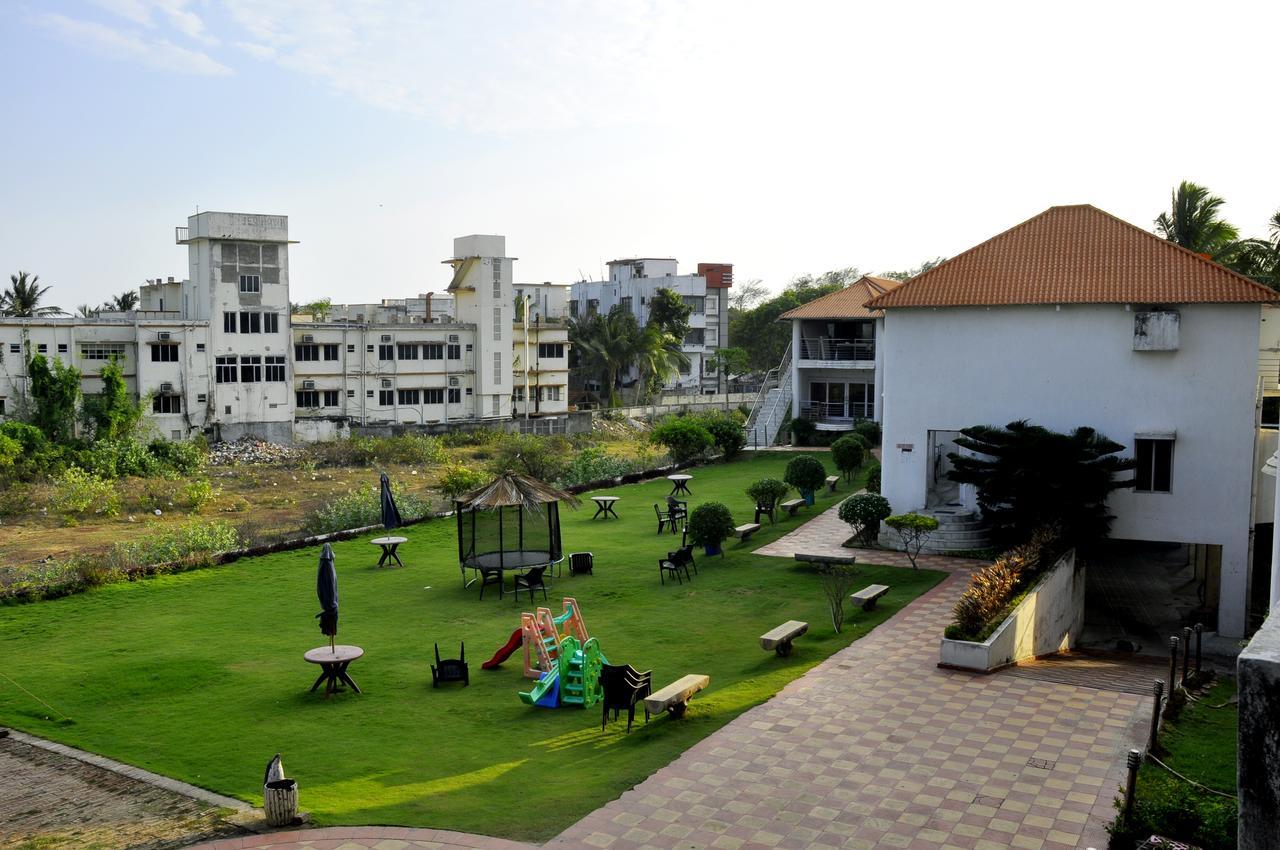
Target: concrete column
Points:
(1233, 583)
(879, 393)
(1258, 764)
(795, 369)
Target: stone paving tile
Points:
(365, 838)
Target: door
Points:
(835, 401)
(942, 491)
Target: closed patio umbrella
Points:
(327, 592)
(390, 513)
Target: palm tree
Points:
(22, 298)
(86, 311)
(607, 346)
(124, 302)
(658, 354)
(1194, 222)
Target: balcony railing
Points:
(826, 348)
(837, 411)
(181, 235)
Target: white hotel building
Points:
(218, 354)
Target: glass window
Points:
(306, 351)
(1155, 466)
(406, 351)
(166, 404)
(225, 370)
(455, 351)
(164, 353)
(386, 352)
(409, 396)
(330, 398)
(275, 368)
(551, 349)
(433, 351)
(250, 283)
(386, 398)
(433, 395)
(331, 351)
(251, 369)
(308, 398)
(455, 395)
(228, 323)
(270, 323)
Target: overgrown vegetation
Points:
(994, 588)
(684, 437)
(360, 508)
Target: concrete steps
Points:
(958, 531)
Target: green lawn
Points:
(200, 676)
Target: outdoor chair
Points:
(488, 576)
(665, 566)
(581, 563)
(766, 509)
(664, 519)
(683, 558)
(531, 581)
(451, 669)
(624, 687)
(677, 509)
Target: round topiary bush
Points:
(710, 524)
(869, 429)
(684, 438)
(768, 491)
(873, 477)
(805, 473)
(864, 513)
(848, 453)
(729, 436)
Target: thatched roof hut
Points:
(513, 522)
(510, 489)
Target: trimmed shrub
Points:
(710, 524)
(727, 433)
(864, 512)
(684, 437)
(805, 473)
(914, 529)
(873, 477)
(767, 492)
(848, 453)
(869, 430)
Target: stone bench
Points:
(825, 559)
(674, 698)
(779, 639)
(868, 595)
(744, 532)
(792, 505)
(832, 481)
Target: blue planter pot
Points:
(808, 496)
(711, 550)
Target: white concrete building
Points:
(632, 285)
(1076, 318)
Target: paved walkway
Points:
(361, 837)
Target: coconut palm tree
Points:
(22, 298)
(124, 302)
(658, 355)
(1195, 223)
(607, 346)
(86, 311)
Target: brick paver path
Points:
(361, 837)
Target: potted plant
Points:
(767, 492)
(864, 512)
(710, 524)
(805, 473)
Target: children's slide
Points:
(503, 654)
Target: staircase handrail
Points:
(784, 365)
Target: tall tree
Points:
(748, 294)
(668, 311)
(55, 389)
(758, 330)
(658, 355)
(918, 270)
(124, 302)
(23, 296)
(607, 347)
(1195, 222)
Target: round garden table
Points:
(605, 505)
(333, 663)
(680, 484)
(389, 546)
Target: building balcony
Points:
(835, 415)
(840, 353)
(182, 235)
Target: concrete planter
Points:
(1048, 620)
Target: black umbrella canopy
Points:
(327, 592)
(390, 513)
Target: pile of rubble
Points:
(250, 450)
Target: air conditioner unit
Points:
(308, 385)
(453, 382)
(386, 337)
(166, 387)
(386, 383)
(163, 336)
(308, 338)
(453, 337)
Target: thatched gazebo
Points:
(511, 523)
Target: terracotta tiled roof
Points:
(847, 303)
(1075, 255)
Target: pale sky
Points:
(784, 137)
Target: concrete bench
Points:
(674, 698)
(744, 532)
(832, 481)
(825, 559)
(868, 595)
(792, 505)
(779, 639)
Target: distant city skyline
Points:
(783, 139)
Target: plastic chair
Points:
(531, 581)
(665, 566)
(581, 563)
(624, 687)
(488, 576)
(451, 669)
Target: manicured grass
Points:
(200, 676)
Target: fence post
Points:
(1158, 693)
(1186, 653)
(1173, 664)
(1134, 760)
(1199, 629)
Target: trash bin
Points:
(280, 801)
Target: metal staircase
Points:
(771, 405)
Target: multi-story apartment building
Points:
(632, 285)
(218, 354)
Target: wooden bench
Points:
(674, 698)
(868, 595)
(744, 532)
(832, 481)
(779, 639)
(792, 505)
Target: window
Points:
(199, 346)
(386, 352)
(497, 368)
(251, 369)
(550, 393)
(1155, 465)
(250, 323)
(306, 351)
(166, 404)
(351, 393)
(351, 349)
(101, 351)
(455, 351)
(270, 323)
(695, 303)
(497, 278)
(330, 398)
(368, 349)
(164, 353)
(573, 309)
(409, 396)
(497, 323)
(496, 405)
(551, 349)
(517, 394)
(15, 348)
(626, 304)
(42, 348)
(2, 407)
(695, 336)
(250, 283)
(433, 395)
(406, 351)
(455, 396)
(62, 348)
(593, 306)
(308, 398)
(275, 368)
(433, 351)
(202, 398)
(225, 370)
(331, 351)
(386, 398)
(228, 323)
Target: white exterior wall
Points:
(951, 368)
